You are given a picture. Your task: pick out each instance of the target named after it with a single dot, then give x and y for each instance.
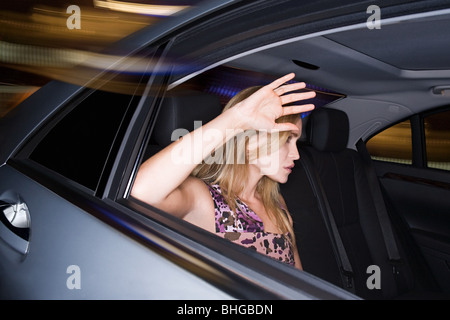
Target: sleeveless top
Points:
(245, 228)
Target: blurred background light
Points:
(139, 8)
(36, 45)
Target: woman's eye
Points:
(289, 139)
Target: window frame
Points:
(21, 158)
(238, 264)
(423, 115)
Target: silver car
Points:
(69, 154)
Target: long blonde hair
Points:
(231, 174)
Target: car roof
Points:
(386, 74)
(404, 52)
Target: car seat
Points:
(338, 178)
(181, 109)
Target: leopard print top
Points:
(245, 228)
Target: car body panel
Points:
(111, 264)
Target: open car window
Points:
(187, 106)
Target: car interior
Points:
(346, 216)
(330, 199)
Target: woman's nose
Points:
(294, 152)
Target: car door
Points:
(412, 161)
(59, 237)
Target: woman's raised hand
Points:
(261, 109)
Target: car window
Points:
(202, 98)
(78, 146)
(437, 140)
(394, 144)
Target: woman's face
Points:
(279, 164)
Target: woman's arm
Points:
(163, 180)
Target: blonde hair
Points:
(231, 174)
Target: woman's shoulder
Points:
(195, 185)
(201, 192)
(202, 213)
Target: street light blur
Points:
(43, 40)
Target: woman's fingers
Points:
(294, 97)
(286, 126)
(280, 90)
(289, 87)
(297, 109)
(263, 103)
(274, 85)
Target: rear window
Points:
(393, 144)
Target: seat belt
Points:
(346, 270)
(380, 206)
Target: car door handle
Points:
(15, 224)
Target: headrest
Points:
(180, 111)
(328, 129)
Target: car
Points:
(71, 230)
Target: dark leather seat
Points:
(345, 186)
(181, 111)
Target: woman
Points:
(229, 185)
